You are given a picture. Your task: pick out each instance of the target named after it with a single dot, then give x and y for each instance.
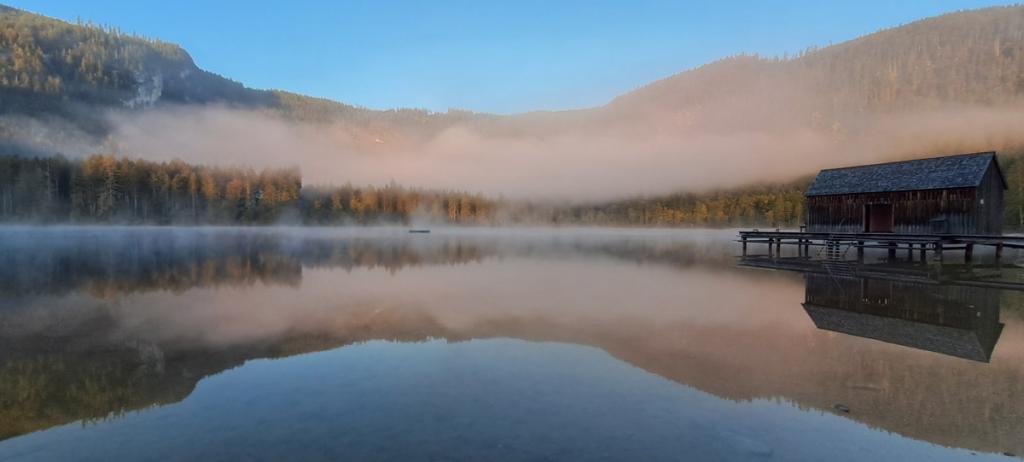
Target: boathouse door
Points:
(878, 218)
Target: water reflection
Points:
(111, 261)
(952, 320)
(95, 322)
(98, 323)
(948, 309)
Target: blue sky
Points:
(483, 55)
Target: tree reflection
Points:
(683, 314)
(113, 262)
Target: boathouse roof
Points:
(960, 171)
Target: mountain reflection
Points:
(116, 322)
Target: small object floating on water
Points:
(419, 231)
(842, 408)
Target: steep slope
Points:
(46, 64)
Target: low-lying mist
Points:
(591, 155)
(589, 162)
(939, 86)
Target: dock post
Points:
(924, 250)
(892, 251)
(999, 251)
(771, 247)
(968, 252)
(744, 239)
(910, 252)
(938, 251)
(807, 247)
(860, 251)
(778, 247)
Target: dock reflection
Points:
(918, 309)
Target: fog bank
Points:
(585, 162)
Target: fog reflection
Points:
(670, 303)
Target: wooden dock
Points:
(835, 246)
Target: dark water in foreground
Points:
(374, 344)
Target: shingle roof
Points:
(962, 171)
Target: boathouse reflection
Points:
(951, 320)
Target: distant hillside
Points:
(973, 57)
(49, 65)
(966, 57)
(953, 83)
(52, 68)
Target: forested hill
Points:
(51, 67)
(943, 85)
(47, 65)
(964, 58)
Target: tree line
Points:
(766, 205)
(394, 203)
(777, 205)
(109, 189)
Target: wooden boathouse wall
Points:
(954, 210)
(989, 212)
(912, 211)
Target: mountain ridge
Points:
(941, 85)
(225, 90)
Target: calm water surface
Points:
(376, 344)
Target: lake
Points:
(144, 343)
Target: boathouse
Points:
(960, 194)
